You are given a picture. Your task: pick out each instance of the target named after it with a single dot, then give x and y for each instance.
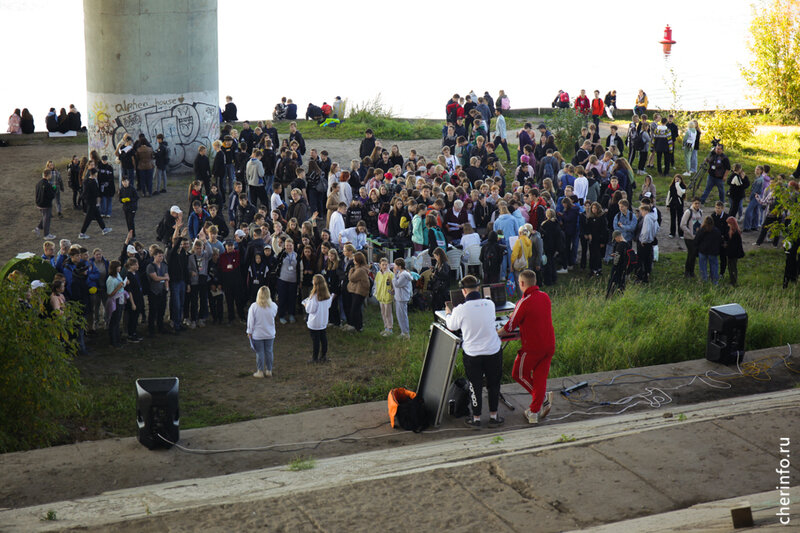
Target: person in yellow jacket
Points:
(383, 293)
(522, 250)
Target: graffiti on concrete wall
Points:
(186, 123)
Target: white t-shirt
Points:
(581, 187)
(336, 226)
(475, 319)
(275, 201)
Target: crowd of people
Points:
(272, 230)
(21, 122)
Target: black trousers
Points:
(596, 254)
(130, 215)
(665, 156)
(259, 192)
(478, 366)
(356, 318)
(675, 214)
(499, 141)
(157, 304)
(549, 271)
(133, 319)
(319, 337)
(691, 257)
(645, 252)
(92, 213)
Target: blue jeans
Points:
(712, 182)
(263, 348)
(268, 181)
(752, 216)
(161, 179)
(146, 180)
(105, 205)
(713, 262)
(177, 291)
(230, 176)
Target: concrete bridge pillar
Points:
(151, 67)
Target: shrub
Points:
(731, 127)
(39, 383)
(566, 126)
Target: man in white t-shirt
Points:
(483, 351)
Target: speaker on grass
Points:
(157, 411)
(727, 325)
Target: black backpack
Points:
(458, 398)
(411, 415)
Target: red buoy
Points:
(667, 36)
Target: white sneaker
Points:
(385, 333)
(192, 325)
(83, 236)
(37, 232)
(562, 271)
(49, 236)
(267, 373)
(106, 231)
(282, 321)
(258, 374)
(687, 173)
(201, 323)
(546, 406)
(531, 417)
(291, 319)
(405, 336)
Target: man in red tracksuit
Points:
(532, 315)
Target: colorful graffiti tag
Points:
(185, 123)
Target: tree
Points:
(566, 126)
(774, 70)
(39, 383)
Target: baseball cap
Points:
(35, 284)
(240, 233)
(175, 209)
(229, 242)
(130, 249)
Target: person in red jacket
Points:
(598, 108)
(582, 103)
(532, 315)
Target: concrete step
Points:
(465, 454)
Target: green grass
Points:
(299, 464)
(663, 322)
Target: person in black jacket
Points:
(552, 245)
(595, 232)
(26, 122)
(738, 182)
(129, 199)
(733, 249)
(218, 220)
(44, 202)
(162, 160)
(229, 114)
(295, 135)
(491, 258)
(202, 169)
(105, 180)
(134, 307)
(91, 199)
(709, 245)
(74, 118)
(720, 218)
(51, 120)
(178, 270)
(63, 121)
(367, 144)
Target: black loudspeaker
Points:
(727, 325)
(157, 411)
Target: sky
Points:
(415, 54)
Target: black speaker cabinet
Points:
(157, 411)
(727, 325)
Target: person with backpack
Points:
(690, 224)
(642, 144)
(675, 197)
(633, 132)
(44, 202)
(482, 349)
(548, 166)
(709, 246)
(492, 255)
(738, 182)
